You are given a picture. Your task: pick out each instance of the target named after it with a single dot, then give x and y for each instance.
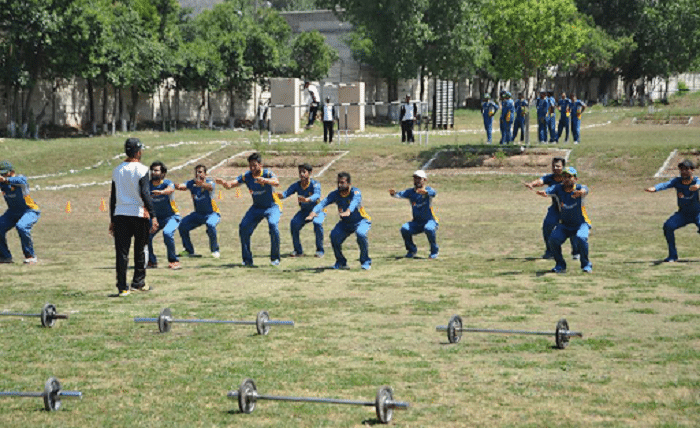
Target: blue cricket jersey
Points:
(572, 211)
(542, 106)
(508, 111)
(351, 200)
(164, 205)
(576, 109)
(16, 193)
(263, 194)
(421, 205)
(203, 201)
(488, 107)
(688, 202)
(521, 108)
(311, 191)
(563, 106)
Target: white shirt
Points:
(313, 93)
(126, 179)
(328, 113)
(408, 115)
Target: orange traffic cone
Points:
(103, 205)
(238, 192)
(221, 196)
(68, 209)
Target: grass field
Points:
(637, 364)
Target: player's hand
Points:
(154, 226)
(302, 199)
(311, 216)
(578, 193)
(261, 180)
(111, 228)
(542, 193)
(528, 185)
(650, 189)
(392, 192)
(344, 214)
(694, 187)
(157, 192)
(421, 191)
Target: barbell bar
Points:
(384, 403)
(48, 315)
(52, 394)
(262, 322)
(561, 333)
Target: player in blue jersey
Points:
(686, 187)
(22, 213)
(552, 117)
(577, 109)
(521, 108)
(574, 223)
(488, 109)
(564, 105)
(542, 106)
(424, 219)
(206, 212)
(308, 194)
(266, 204)
(507, 116)
(167, 214)
(353, 219)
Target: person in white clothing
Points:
(313, 103)
(131, 211)
(329, 117)
(408, 117)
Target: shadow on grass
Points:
(659, 262)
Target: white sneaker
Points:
(216, 254)
(30, 260)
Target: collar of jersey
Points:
(304, 187)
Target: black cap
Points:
(132, 146)
(687, 164)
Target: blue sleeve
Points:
(402, 194)
(290, 191)
(17, 180)
(551, 190)
(317, 192)
(431, 192)
(212, 182)
(241, 179)
(667, 185)
(356, 200)
(324, 203)
(190, 185)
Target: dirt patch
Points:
(663, 119)
(283, 164)
(671, 168)
(512, 160)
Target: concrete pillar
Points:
(352, 93)
(285, 120)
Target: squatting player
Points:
(424, 219)
(206, 211)
(22, 213)
(167, 214)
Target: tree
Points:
(312, 57)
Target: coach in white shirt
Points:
(131, 212)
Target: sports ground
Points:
(636, 365)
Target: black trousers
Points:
(328, 131)
(407, 131)
(126, 227)
(313, 109)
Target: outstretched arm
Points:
(227, 184)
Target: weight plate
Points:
(562, 339)
(164, 323)
(52, 401)
(454, 329)
(246, 396)
(384, 412)
(262, 318)
(47, 315)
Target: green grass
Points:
(637, 364)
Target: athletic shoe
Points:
(216, 254)
(124, 293)
(275, 262)
(319, 254)
(174, 265)
(367, 265)
(185, 253)
(141, 287)
(576, 256)
(670, 260)
(295, 254)
(151, 265)
(6, 261)
(339, 266)
(30, 261)
(575, 142)
(434, 256)
(559, 269)
(588, 269)
(410, 254)
(244, 264)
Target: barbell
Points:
(561, 333)
(48, 315)
(384, 403)
(52, 394)
(262, 322)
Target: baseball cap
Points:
(569, 170)
(5, 167)
(687, 163)
(420, 173)
(132, 146)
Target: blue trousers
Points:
(194, 220)
(411, 228)
(23, 221)
(506, 133)
(519, 124)
(542, 128)
(551, 220)
(676, 221)
(250, 221)
(552, 124)
(579, 239)
(488, 126)
(298, 222)
(340, 233)
(563, 124)
(576, 129)
(168, 225)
